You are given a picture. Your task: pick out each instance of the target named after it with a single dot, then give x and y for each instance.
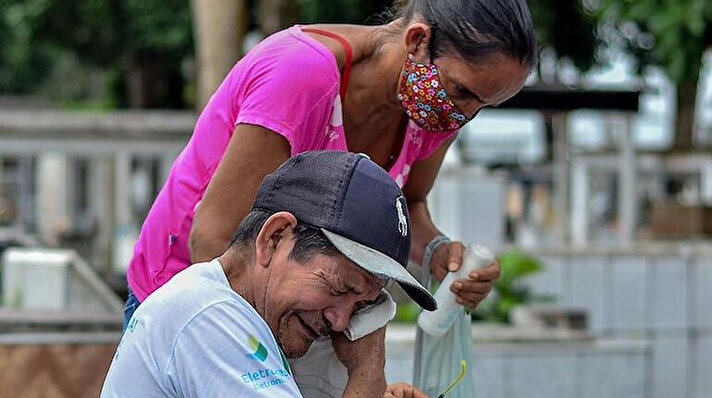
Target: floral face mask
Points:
(425, 101)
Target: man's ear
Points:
(275, 230)
(417, 41)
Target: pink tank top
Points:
(290, 84)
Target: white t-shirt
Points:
(196, 337)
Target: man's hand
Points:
(470, 291)
(403, 390)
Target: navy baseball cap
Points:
(356, 204)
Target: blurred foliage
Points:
(671, 34)
(345, 11)
(508, 290)
(407, 312)
(117, 37)
(102, 31)
(566, 27)
(35, 35)
(23, 62)
(507, 293)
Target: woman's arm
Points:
(252, 153)
(420, 182)
(447, 256)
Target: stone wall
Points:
(658, 293)
(54, 370)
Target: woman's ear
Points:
(278, 227)
(417, 41)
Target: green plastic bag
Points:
(438, 359)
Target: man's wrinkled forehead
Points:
(357, 277)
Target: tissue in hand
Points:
(367, 320)
(439, 321)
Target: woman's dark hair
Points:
(308, 241)
(476, 28)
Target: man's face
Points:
(305, 301)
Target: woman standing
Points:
(398, 92)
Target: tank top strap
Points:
(349, 57)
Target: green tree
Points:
(566, 28)
(343, 11)
(566, 31)
(673, 35)
(141, 42)
(22, 65)
(220, 26)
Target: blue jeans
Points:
(131, 304)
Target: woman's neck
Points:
(371, 99)
(371, 108)
(375, 71)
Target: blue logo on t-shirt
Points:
(260, 350)
(263, 378)
(132, 324)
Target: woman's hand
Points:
(447, 256)
(472, 290)
(403, 390)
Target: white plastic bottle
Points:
(439, 321)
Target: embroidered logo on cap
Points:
(402, 220)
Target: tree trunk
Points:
(275, 15)
(219, 26)
(136, 77)
(685, 115)
(153, 80)
(548, 137)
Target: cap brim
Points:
(382, 266)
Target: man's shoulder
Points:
(188, 294)
(194, 330)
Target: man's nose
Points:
(339, 316)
